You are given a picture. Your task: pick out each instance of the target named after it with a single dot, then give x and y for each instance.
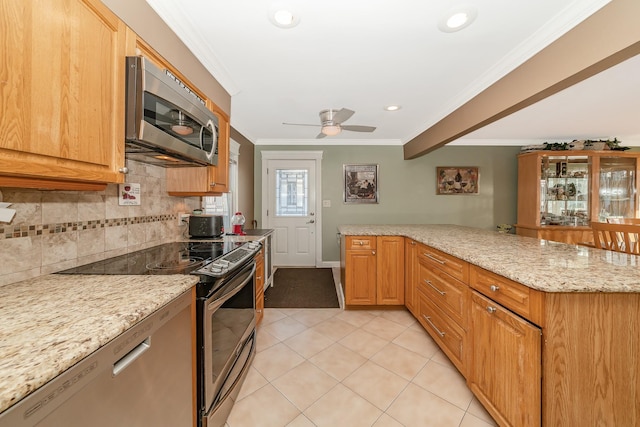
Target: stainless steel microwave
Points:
(167, 124)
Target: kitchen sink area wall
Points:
(56, 230)
(407, 188)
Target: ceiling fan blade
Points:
(358, 128)
(342, 115)
(320, 135)
(299, 124)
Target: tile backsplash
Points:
(56, 230)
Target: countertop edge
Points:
(538, 264)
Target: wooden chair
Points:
(617, 237)
(623, 220)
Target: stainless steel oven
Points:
(226, 338)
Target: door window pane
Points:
(292, 192)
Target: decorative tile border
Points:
(63, 227)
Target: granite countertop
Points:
(49, 323)
(540, 264)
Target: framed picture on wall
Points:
(457, 180)
(360, 183)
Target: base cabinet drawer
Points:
(447, 333)
(451, 265)
(447, 293)
(521, 299)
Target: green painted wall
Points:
(407, 188)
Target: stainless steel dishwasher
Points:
(142, 378)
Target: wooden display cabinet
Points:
(62, 121)
(561, 192)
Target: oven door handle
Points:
(224, 293)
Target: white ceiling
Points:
(365, 54)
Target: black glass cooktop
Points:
(169, 258)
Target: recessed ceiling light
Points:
(392, 107)
(283, 16)
(458, 18)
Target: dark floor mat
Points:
(302, 288)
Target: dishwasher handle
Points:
(131, 357)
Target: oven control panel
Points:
(228, 262)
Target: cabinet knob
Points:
(213, 184)
(361, 243)
(373, 252)
(494, 288)
(124, 170)
(491, 310)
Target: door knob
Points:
(311, 222)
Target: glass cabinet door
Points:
(564, 190)
(617, 193)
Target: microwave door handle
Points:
(212, 128)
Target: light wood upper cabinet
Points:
(62, 97)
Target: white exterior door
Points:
(290, 208)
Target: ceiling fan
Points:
(331, 123)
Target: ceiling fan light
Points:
(331, 130)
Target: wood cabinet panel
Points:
(447, 333)
(373, 270)
(390, 270)
(451, 265)
(63, 92)
(411, 271)
(592, 359)
(361, 242)
(445, 292)
(360, 280)
(260, 278)
(505, 363)
(516, 297)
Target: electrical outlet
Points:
(183, 218)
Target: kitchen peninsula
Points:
(545, 333)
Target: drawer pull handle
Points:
(361, 243)
(439, 261)
(491, 310)
(428, 319)
(494, 288)
(436, 289)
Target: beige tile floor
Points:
(329, 367)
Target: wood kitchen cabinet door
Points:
(62, 98)
(505, 363)
(360, 282)
(390, 270)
